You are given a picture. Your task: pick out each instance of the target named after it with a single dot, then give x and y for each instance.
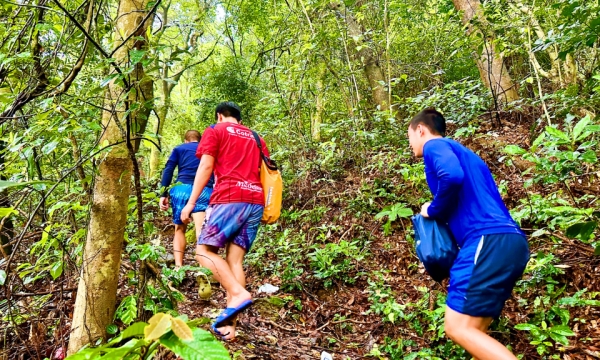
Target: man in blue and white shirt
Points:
(184, 159)
(493, 250)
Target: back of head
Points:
(229, 109)
(431, 119)
(192, 136)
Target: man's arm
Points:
(203, 173)
(167, 177)
(450, 174)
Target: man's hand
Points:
(424, 208)
(186, 213)
(163, 203)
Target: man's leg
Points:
(470, 333)
(179, 244)
(235, 258)
(207, 257)
(198, 222)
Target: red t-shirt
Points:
(237, 160)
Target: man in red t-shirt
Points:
(235, 207)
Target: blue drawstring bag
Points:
(435, 245)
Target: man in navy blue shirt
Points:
(493, 249)
(184, 159)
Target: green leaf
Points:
(562, 330)
(514, 150)
(7, 211)
(404, 212)
(590, 157)
(56, 270)
(112, 329)
(48, 148)
(12, 184)
(277, 301)
(199, 321)
(538, 141)
(136, 329)
(203, 347)
(382, 214)
(120, 352)
(2, 277)
(135, 56)
(107, 80)
(557, 133)
(526, 327)
(559, 339)
(127, 310)
(582, 231)
(580, 126)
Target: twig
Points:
(279, 326)
(45, 292)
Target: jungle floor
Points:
(337, 319)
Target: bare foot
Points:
(235, 301)
(228, 332)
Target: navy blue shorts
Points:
(485, 272)
(180, 194)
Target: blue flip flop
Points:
(230, 313)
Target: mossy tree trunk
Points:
(97, 290)
(490, 63)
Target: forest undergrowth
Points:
(350, 282)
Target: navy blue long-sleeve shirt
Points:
(464, 192)
(184, 158)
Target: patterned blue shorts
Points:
(235, 222)
(180, 194)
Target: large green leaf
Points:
(557, 133)
(562, 330)
(7, 211)
(582, 230)
(580, 126)
(203, 347)
(526, 327)
(56, 269)
(136, 329)
(514, 150)
(12, 184)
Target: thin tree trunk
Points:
(96, 295)
(76, 158)
(368, 58)
(490, 64)
(154, 152)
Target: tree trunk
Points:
(362, 52)
(490, 64)
(162, 112)
(317, 117)
(96, 295)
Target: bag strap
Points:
(257, 138)
(267, 160)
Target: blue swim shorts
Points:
(485, 273)
(180, 194)
(235, 222)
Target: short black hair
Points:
(229, 109)
(432, 119)
(192, 135)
